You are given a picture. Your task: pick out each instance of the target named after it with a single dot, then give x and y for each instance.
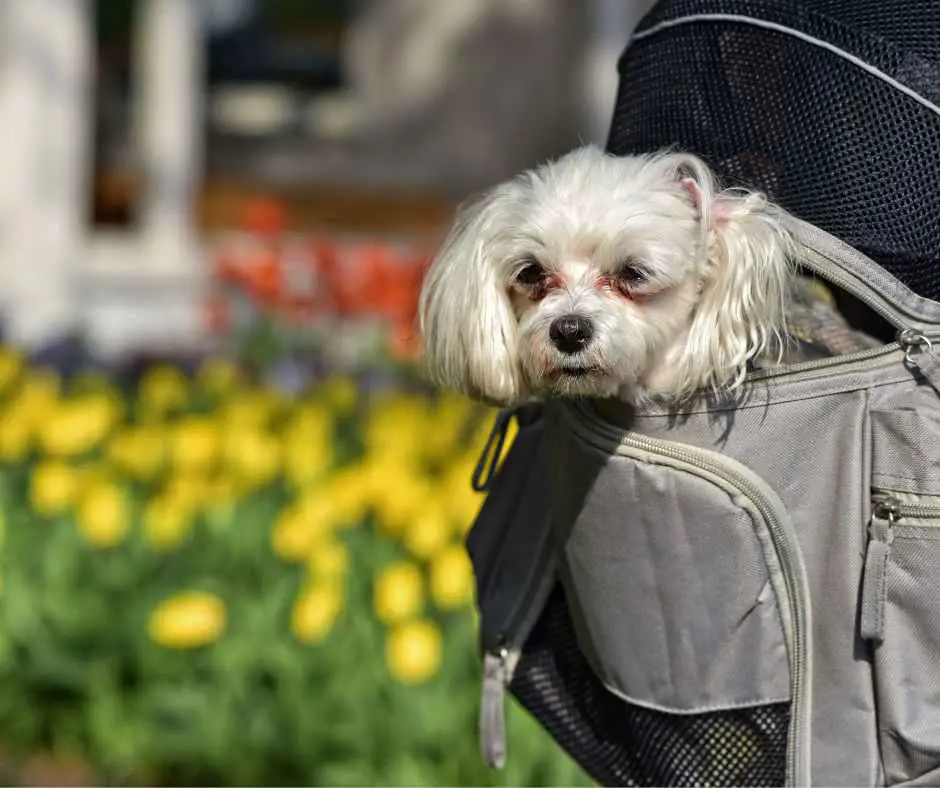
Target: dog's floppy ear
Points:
(741, 311)
(467, 325)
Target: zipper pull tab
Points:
(919, 356)
(885, 513)
(492, 708)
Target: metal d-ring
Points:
(914, 344)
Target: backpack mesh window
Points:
(621, 743)
(832, 107)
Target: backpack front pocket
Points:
(900, 616)
(900, 607)
(685, 588)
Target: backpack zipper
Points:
(887, 511)
(916, 345)
(914, 335)
(728, 473)
(892, 507)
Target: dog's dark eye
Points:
(531, 273)
(632, 274)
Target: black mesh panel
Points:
(619, 743)
(834, 144)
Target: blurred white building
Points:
(140, 287)
(137, 287)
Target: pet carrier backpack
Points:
(747, 591)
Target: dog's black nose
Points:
(570, 333)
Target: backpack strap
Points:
(513, 556)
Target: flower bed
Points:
(205, 581)
(279, 295)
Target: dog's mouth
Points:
(576, 372)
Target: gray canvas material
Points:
(705, 554)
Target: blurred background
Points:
(231, 514)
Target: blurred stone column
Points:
(169, 93)
(612, 24)
(45, 100)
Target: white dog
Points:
(605, 276)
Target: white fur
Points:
(717, 265)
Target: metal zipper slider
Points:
(496, 675)
(919, 356)
(885, 513)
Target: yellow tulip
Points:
(252, 408)
(315, 611)
(218, 376)
(329, 561)
(396, 424)
(300, 527)
(349, 493)
(36, 400)
(16, 435)
(305, 461)
(139, 451)
(34, 403)
(253, 454)
(190, 491)
(400, 497)
(187, 620)
(413, 651)
(459, 471)
(460, 499)
(103, 516)
(39, 391)
(395, 439)
(195, 444)
(398, 592)
(438, 444)
(11, 365)
(311, 422)
(94, 473)
(428, 530)
(451, 418)
(53, 487)
(451, 580)
(166, 522)
(163, 389)
(341, 392)
(77, 426)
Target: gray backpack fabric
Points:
(744, 593)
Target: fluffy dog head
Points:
(605, 276)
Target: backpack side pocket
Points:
(900, 609)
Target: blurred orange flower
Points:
(263, 276)
(227, 270)
(265, 216)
